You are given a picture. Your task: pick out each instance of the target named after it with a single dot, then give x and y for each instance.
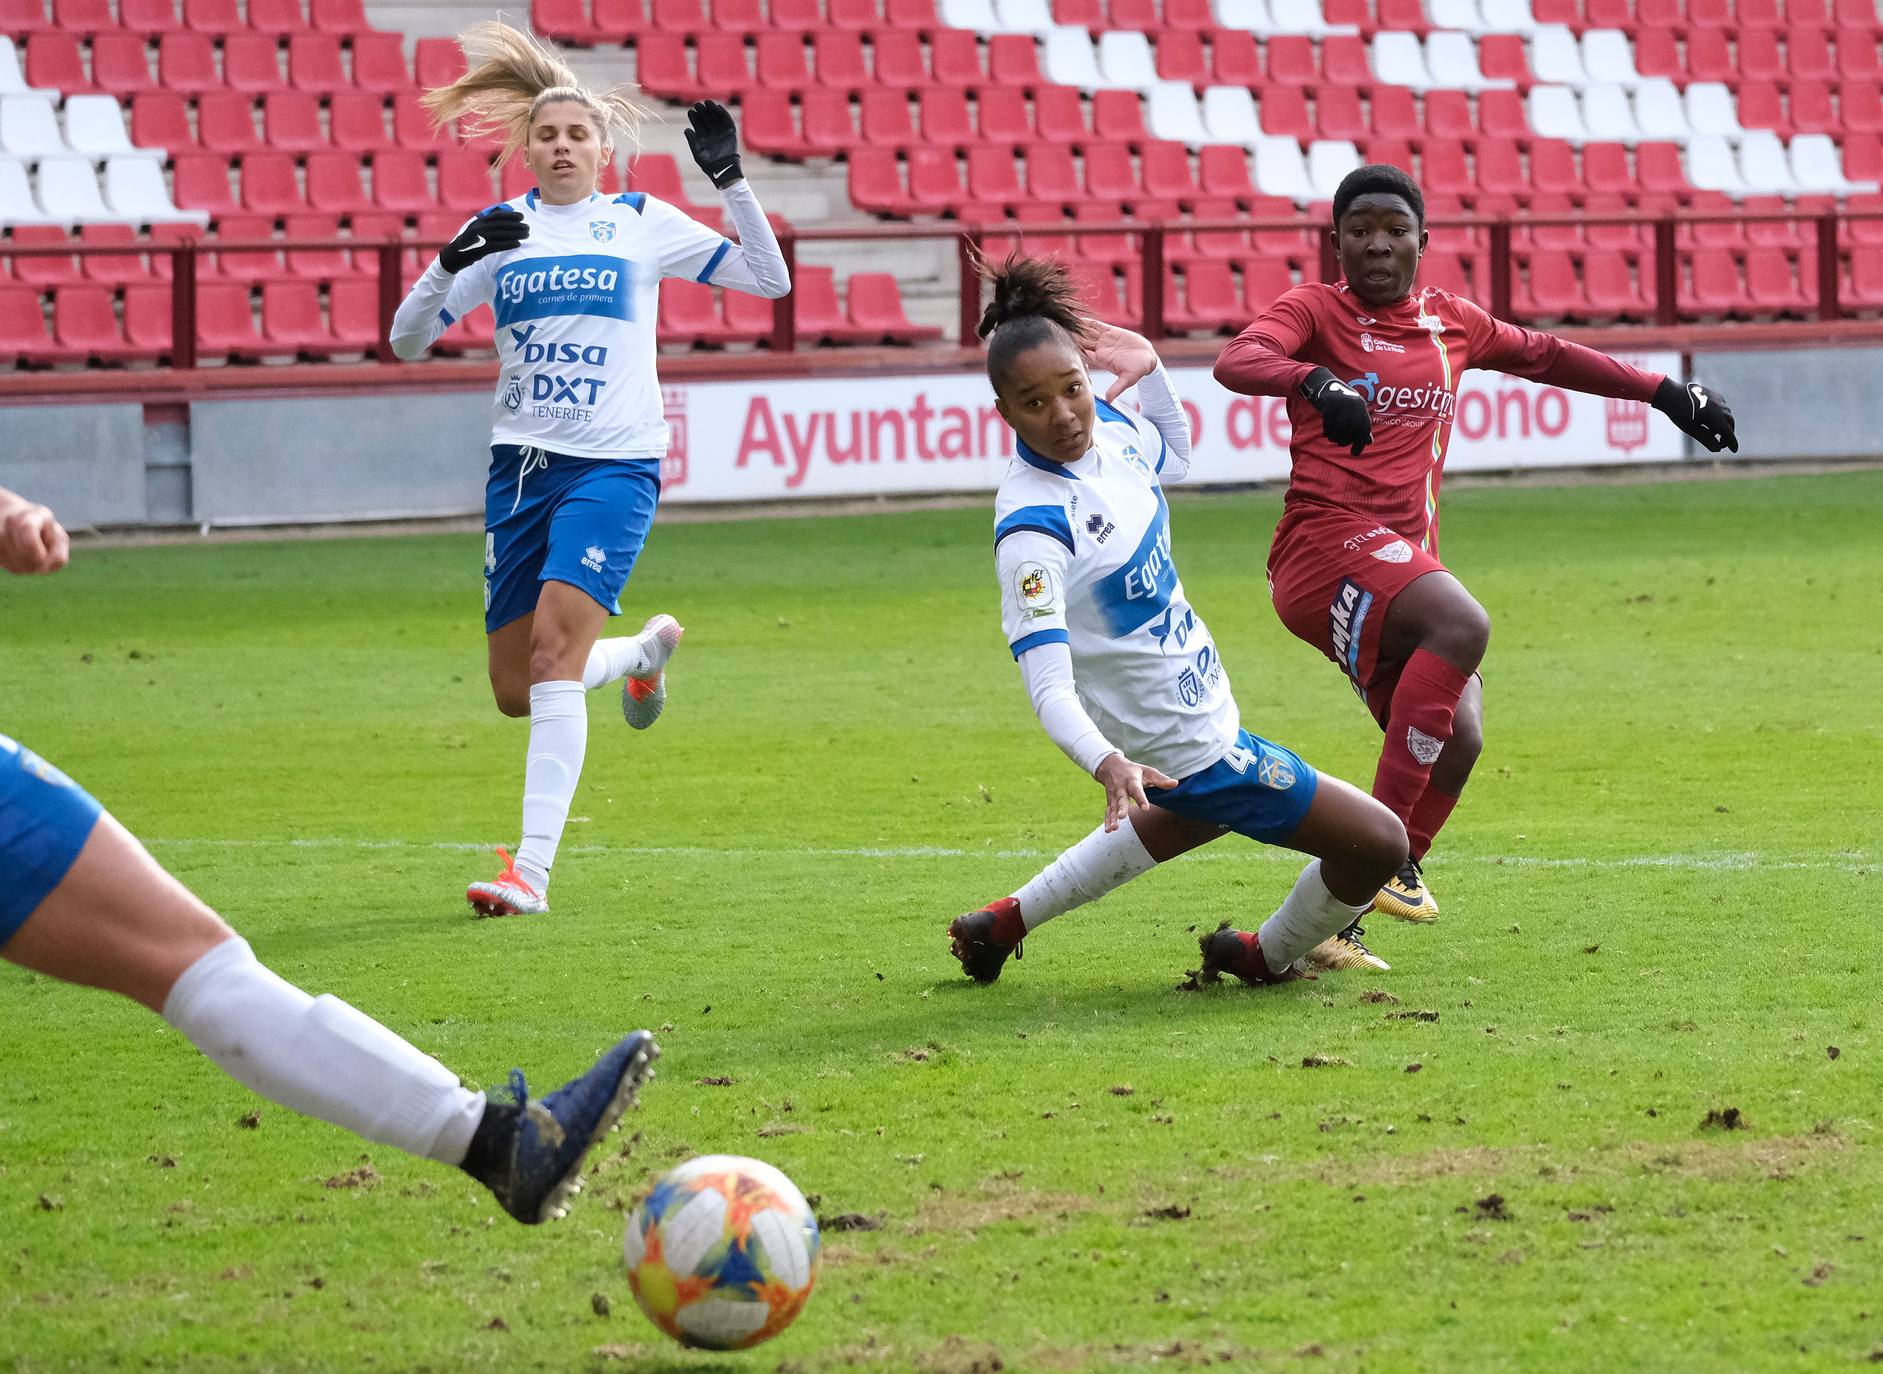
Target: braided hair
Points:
(1035, 302)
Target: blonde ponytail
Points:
(510, 75)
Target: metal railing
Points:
(1504, 241)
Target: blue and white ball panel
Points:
(1257, 789)
(45, 819)
(550, 517)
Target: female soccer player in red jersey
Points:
(1354, 567)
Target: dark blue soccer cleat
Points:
(531, 1157)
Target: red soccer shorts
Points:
(1332, 575)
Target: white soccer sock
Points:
(558, 740)
(320, 1057)
(613, 659)
(1084, 873)
(1306, 916)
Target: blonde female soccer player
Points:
(577, 433)
(1122, 671)
(85, 902)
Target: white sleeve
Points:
(437, 300)
(1032, 559)
(689, 249)
(1158, 403)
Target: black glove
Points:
(1345, 416)
(1698, 412)
(714, 140)
(496, 231)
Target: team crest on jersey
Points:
(1275, 773)
(1099, 527)
(1035, 585)
(1399, 551)
(513, 394)
(602, 230)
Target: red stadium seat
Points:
(1391, 151)
(917, 16)
(1290, 61)
(1012, 60)
(688, 314)
(1084, 14)
(934, 180)
(739, 16)
(1760, 107)
(1500, 167)
(1118, 117)
(1226, 245)
(147, 315)
(1626, 234)
(316, 264)
(22, 18)
(1001, 116)
(378, 63)
(161, 120)
(343, 17)
(1264, 281)
(1612, 288)
(356, 121)
(1349, 14)
(212, 17)
(464, 181)
(1775, 233)
(1811, 111)
(1059, 115)
(662, 68)
(1854, 16)
(1098, 289)
(1234, 60)
(85, 326)
(1296, 243)
(399, 183)
(797, 16)
(1550, 290)
(1605, 168)
(82, 18)
(876, 311)
(1607, 14)
(746, 318)
(944, 119)
(1657, 54)
(837, 58)
(1105, 248)
(782, 64)
(817, 316)
(767, 125)
(1284, 113)
(1857, 55)
(252, 265)
(1709, 58)
(722, 64)
(1863, 157)
(564, 21)
(1443, 164)
(955, 56)
(226, 124)
(1808, 56)
(1658, 168)
(112, 269)
(1337, 115)
(438, 62)
(1224, 171)
(1863, 287)
(1534, 233)
(44, 272)
(1756, 16)
(290, 124)
(225, 322)
(1501, 115)
(1180, 58)
(1050, 175)
(53, 61)
(899, 62)
(1204, 299)
(1391, 113)
(22, 325)
(1715, 288)
(1553, 168)
(279, 18)
(1344, 65)
(875, 182)
(251, 62)
(292, 322)
(165, 237)
(1406, 16)
(1109, 174)
(993, 176)
(681, 18)
(200, 181)
(333, 186)
(1710, 14)
(1771, 287)
(269, 186)
(886, 122)
(1166, 172)
(853, 16)
(1502, 57)
(1139, 16)
(828, 131)
(616, 21)
(412, 125)
(1860, 107)
(1726, 231)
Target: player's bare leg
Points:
(1356, 844)
(1438, 634)
(118, 921)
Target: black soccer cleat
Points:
(975, 939)
(1239, 954)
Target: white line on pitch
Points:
(1839, 861)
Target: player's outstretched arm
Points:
(420, 318)
(754, 264)
(31, 539)
(1132, 360)
(1699, 412)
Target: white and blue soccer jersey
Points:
(576, 304)
(1083, 554)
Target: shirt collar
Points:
(1033, 460)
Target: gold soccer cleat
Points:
(1345, 950)
(1406, 896)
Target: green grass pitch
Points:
(1657, 905)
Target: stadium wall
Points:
(417, 453)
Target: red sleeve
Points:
(1498, 346)
(1261, 360)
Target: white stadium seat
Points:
(1509, 16)
(1712, 167)
(1659, 113)
(1553, 112)
(1451, 59)
(1763, 165)
(11, 81)
(1556, 58)
(1305, 17)
(1456, 14)
(94, 126)
(1817, 166)
(1398, 60)
(969, 14)
(1251, 16)
(1171, 114)
(68, 191)
(29, 128)
(1125, 59)
(135, 187)
(1608, 115)
(1280, 170)
(1067, 60)
(1609, 56)
(1328, 161)
(17, 205)
(1024, 16)
(1229, 114)
(1712, 111)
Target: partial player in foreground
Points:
(1121, 671)
(1370, 366)
(85, 902)
(577, 436)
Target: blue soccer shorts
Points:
(1257, 789)
(45, 819)
(549, 517)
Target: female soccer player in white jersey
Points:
(85, 902)
(577, 433)
(1122, 671)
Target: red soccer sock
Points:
(1417, 729)
(1429, 815)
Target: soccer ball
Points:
(722, 1252)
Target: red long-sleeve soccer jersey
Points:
(1405, 359)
